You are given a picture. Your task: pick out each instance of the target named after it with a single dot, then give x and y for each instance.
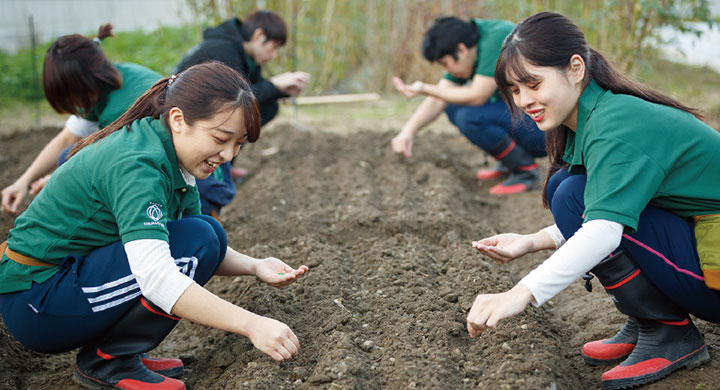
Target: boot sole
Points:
(171, 372)
(603, 362)
(492, 176)
(694, 360)
(86, 381)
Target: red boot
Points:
(515, 161)
(163, 366)
(499, 170)
(98, 370)
(615, 349)
(115, 360)
(667, 339)
(521, 179)
(662, 348)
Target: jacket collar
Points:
(179, 180)
(586, 105)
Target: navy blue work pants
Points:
(663, 246)
(487, 125)
(91, 293)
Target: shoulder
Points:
(494, 26)
(131, 70)
(620, 111)
(228, 32)
(222, 50)
(133, 73)
(139, 138)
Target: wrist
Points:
(254, 263)
(540, 241)
(534, 239)
(524, 293)
(245, 327)
(24, 180)
(408, 131)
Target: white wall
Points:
(54, 18)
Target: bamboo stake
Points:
(347, 98)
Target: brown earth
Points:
(392, 276)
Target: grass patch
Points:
(162, 49)
(690, 84)
(159, 50)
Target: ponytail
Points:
(105, 31)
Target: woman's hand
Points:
(273, 338)
(403, 143)
(489, 309)
(276, 273)
(13, 195)
(505, 247)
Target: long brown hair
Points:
(76, 72)
(551, 39)
(200, 91)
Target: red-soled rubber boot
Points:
(521, 179)
(667, 338)
(164, 366)
(115, 360)
(499, 170)
(513, 159)
(614, 349)
(237, 173)
(663, 347)
(98, 370)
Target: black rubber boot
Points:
(164, 366)
(499, 170)
(115, 360)
(614, 349)
(667, 338)
(524, 172)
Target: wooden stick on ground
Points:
(326, 99)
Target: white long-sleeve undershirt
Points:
(154, 268)
(554, 233)
(594, 241)
(81, 126)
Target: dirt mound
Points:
(392, 276)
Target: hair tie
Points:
(97, 40)
(171, 79)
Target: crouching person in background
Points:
(244, 45)
(79, 79)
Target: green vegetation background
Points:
(352, 46)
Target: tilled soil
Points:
(392, 276)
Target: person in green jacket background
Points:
(468, 51)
